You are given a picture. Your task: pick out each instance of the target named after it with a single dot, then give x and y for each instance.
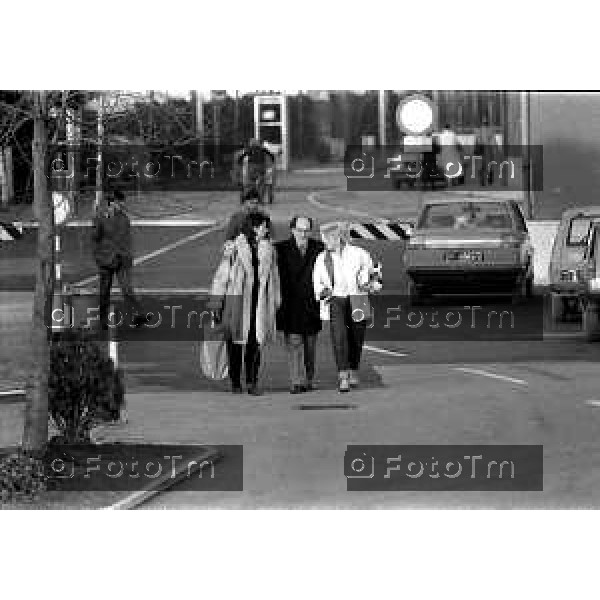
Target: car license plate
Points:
(466, 256)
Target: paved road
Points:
(531, 392)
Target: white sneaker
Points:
(353, 379)
(343, 384)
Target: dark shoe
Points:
(236, 389)
(254, 390)
(310, 387)
(297, 389)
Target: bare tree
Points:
(36, 419)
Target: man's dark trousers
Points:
(121, 267)
(347, 335)
(301, 349)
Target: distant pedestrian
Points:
(450, 162)
(487, 147)
(299, 316)
(114, 256)
(341, 277)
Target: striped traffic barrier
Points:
(380, 231)
(10, 231)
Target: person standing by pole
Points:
(113, 255)
(486, 141)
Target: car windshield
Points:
(579, 228)
(466, 215)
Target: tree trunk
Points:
(36, 418)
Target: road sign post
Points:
(271, 125)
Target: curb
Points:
(134, 500)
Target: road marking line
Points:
(384, 351)
(313, 200)
(163, 250)
(319, 171)
(491, 375)
(557, 335)
(593, 402)
(12, 393)
(137, 223)
(142, 290)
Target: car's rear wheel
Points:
(416, 294)
(520, 292)
(590, 321)
(529, 286)
(524, 287)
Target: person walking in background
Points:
(486, 148)
(113, 255)
(450, 162)
(341, 274)
(247, 281)
(299, 314)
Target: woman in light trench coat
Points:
(248, 282)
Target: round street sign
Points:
(414, 115)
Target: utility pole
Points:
(198, 102)
(99, 169)
(382, 109)
(35, 435)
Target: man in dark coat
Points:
(299, 316)
(113, 254)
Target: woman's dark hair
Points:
(254, 219)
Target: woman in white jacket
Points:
(341, 282)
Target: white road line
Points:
(13, 393)
(312, 198)
(143, 290)
(319, 171)
(383, 351)
(167, 248)
(593, 402)
(491, 375)
(138, 223)
(557, 335)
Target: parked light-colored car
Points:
(473, 246)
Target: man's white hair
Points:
(337, 227)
